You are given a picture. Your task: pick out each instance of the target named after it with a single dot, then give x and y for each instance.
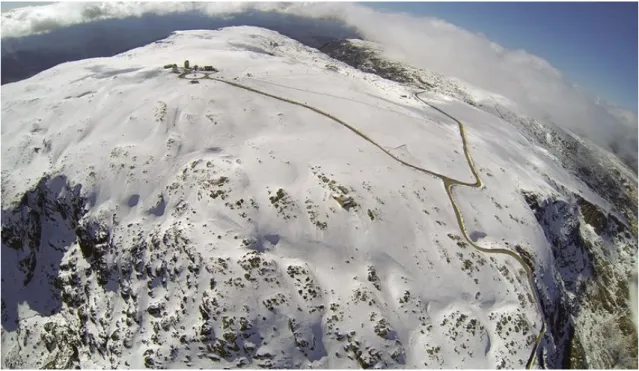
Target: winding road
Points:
(449, 183)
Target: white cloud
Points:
(423, 42)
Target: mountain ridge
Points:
(243, 218)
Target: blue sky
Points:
(593, 44)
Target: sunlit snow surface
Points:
(150, 149)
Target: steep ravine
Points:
(36, 234)
(585, 290)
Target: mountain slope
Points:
(603, 172)
(149, 221)
(593, 246)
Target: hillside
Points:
(588, 292)
(260, 218)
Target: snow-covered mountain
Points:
(601, 170)
(155, 221)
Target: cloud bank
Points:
(429, 43)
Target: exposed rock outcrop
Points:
(585, 289)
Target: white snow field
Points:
(225, 244)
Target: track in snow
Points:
(448, 182)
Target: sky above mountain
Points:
(570, 64)
(593, 44)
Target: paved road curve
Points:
(449, 183)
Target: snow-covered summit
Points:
(150, 221)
